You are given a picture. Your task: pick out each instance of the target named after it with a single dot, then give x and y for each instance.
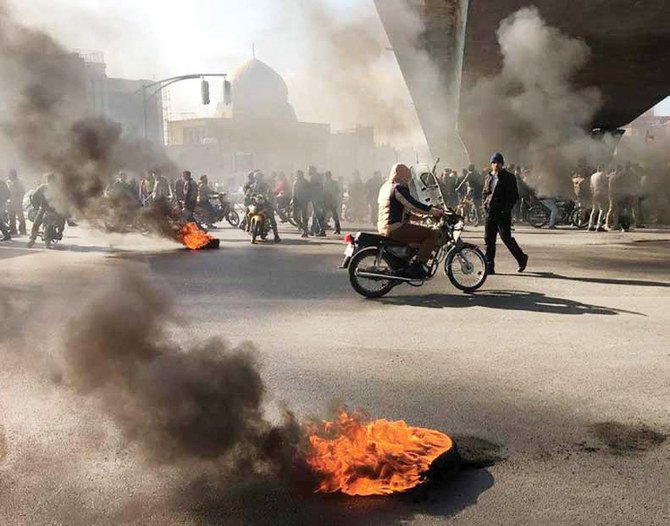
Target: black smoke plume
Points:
(45, 119)
(199, 402)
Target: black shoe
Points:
(522, 264)
(277, 239)
(304, 235)
(6, 238)
(416, 270)
(321, 234)
(491, 272)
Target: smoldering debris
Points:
(179, 404)
(532, 111)
(45, 118)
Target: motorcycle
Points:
(569, 213)
(258, 222)
(468, 210)
(223, 209)
(377, 264)
(284, 209)
(52, 228)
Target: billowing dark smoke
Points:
(532, 111)
(45, 118)
(204, 401)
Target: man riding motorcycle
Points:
(260, 187)
(396, 204)
(41, 201)
(205, 193)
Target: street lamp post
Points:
(160, 85)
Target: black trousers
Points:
(332, 209)
(300, 214)
(500, 224)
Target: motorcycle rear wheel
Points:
(538, 216)
(466, 268)
(370, 288)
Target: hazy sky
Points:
(160, 38)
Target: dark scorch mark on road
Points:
(622, 439)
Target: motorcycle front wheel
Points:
(466, 268)
(538, 216)
(365, 261)
(233, 218)
(580, 218)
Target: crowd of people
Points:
(315, 199)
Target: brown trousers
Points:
(426, 237)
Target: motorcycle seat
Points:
(366, 239)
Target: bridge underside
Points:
(629, 42)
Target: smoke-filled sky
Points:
(156, 39)
(301, 39)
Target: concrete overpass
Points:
(629, 63)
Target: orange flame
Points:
(357, 457)
(193, 237)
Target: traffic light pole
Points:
(160, 85)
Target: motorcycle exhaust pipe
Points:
(374, 275)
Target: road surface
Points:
(557, 378)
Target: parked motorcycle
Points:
(223, 209)
(569, 213)
(377, 264)
(258, 220)
(284, 209)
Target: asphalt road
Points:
(557, 378)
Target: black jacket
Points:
(501, 201)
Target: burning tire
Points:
(466, 268)
(370, 259)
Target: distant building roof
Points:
(259, 92)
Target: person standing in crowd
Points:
(616, 194)
(300, 200)
(476, 185)
(161, 188)
(16, 193)
(146, 187)
(190, 200)
(499, 197)
(372, 187)
(331, 194)
(599, 185)
(356, 201)
(631, 194)
(178, 190)
(317, 198)
(4, 200)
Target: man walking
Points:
(499, 196)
